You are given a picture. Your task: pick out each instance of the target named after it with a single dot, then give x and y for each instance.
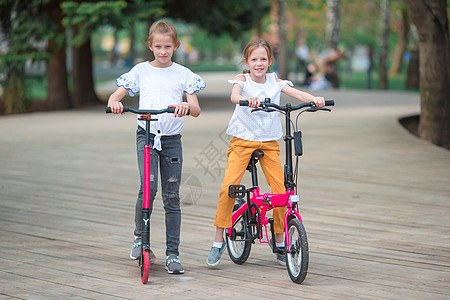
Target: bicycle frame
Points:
(267, 202)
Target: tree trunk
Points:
(397, 60)
(333, 36)
(83, 80)
(57, 87)
(282, 40)
(384, 44)
(430, 17)
(333, 24)
(413, 74)
(370, 68)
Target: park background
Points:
(374, 198)
(55, 53)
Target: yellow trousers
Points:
(239, 154)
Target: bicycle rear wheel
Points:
(297, 258)
(239, 244)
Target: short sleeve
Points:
(234, 81)
(129, 82)
(194, 84)
(282, 83)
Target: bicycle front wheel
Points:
(239, 244)
(297, 258)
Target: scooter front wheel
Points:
(145, 266)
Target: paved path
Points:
(375, 204)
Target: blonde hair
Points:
(252, 45)
(163, 27)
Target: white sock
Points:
(217, 245)
(280, 245)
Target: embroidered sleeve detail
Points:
(128, 82)
(195, 84)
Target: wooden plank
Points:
(374, 204)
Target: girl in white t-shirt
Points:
(161, 83)
(252, 131)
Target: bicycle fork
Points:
(290, 214)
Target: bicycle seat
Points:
(257, 154)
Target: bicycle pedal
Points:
(237, 191)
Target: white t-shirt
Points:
(158, 88)
(258, 126)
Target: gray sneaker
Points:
(136, 249)
(214, 255)
(281, 259)
(135, 253)
(173, 265)
(281, 255)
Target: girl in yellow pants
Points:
(239, 155)
(252, 130)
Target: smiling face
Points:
(163, 47)
(258, 63)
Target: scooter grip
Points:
(172, 110)
(243, 103)
(329, 102)
(108, 109)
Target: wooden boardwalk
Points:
(375, 204)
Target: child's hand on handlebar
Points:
(319, 102)
(116, 107)
(181, 109)
(253, 102)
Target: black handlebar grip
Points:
(243, 103)
(108, 109)
(329, 102)
(172, 110)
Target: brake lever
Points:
(264, 109)
(316, 109)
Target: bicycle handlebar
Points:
(145, 111)
(285, 108)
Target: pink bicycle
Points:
(146, 259)
(249, 216)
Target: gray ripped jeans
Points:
(169, 160)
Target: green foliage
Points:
(26, 29)
(87, 16)
(217, 17)
(310, 19)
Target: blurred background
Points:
(54, 54)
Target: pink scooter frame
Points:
(146, 260)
